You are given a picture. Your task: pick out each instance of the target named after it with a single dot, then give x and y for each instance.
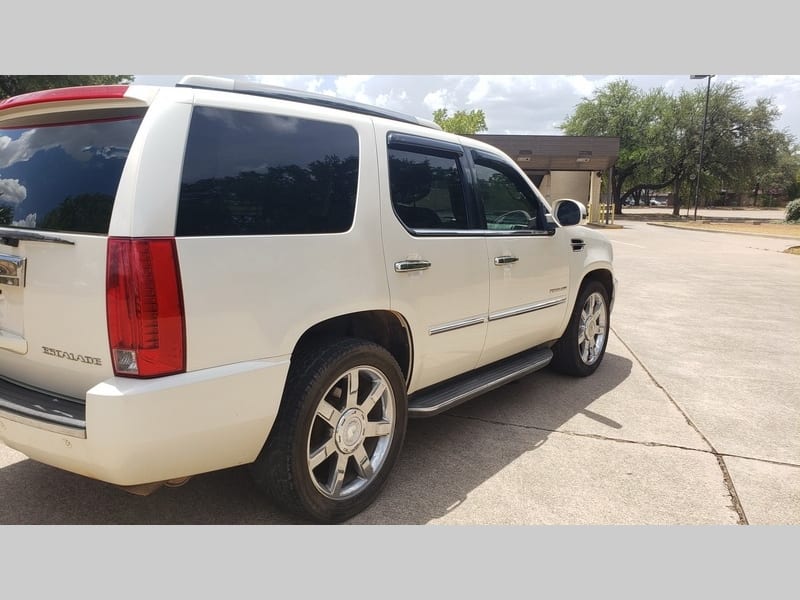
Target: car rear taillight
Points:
(144, 306)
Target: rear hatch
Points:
(62, 154)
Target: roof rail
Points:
(270, 91)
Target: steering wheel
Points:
(502, 217)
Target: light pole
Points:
(702, 140)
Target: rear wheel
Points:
(338, 433)
(581, 349)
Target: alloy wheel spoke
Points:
(337, 475)
(328, 413)
(377, 391)
(352, 388)
(316, 457)
(377, 429)
(363, 463)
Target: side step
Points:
(443, 396)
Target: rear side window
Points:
(258, 174)
(63, 177)
(426, 189)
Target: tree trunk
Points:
(676, 195)
(616, 191)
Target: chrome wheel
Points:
(351, 432)
(592, 329)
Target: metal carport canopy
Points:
(544, 153)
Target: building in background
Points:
(564, 166)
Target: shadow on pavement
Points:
(443, 460)
(448, 456)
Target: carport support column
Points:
(594, 196)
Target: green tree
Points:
(12, 85)
(462, 122)
(89, 213)
(660, 138)
(6, 214)
(621, 110)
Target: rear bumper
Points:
(141, 431)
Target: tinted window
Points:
(63, 177)
(426, 190)
(508, 203)
(252, 174)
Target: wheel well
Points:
(604, 277)
(383, 327)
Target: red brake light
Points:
(87, 92)
(144, 307)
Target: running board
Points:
(444, 396)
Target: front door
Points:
(528, 269)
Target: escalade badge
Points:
(89, 360)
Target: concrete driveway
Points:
(693, 418)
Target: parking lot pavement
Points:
(714, 319)
(608, 449)
(691, 419)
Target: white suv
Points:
(221, 273)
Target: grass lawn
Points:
(770, 229)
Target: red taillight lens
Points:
(144, 306)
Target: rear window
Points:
(251, 173)
(63, 177)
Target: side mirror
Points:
(568, 212)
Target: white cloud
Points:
(353, 87)
(74, 144)
(435, 100)
(12, 191)
(479, 92)
(314, 85)
(29, 222)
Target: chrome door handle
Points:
(404, 266)
(505, 260)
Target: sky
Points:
(516, 104)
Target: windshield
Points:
(63, 177)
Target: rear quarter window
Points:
(251, 173)
(63, 177)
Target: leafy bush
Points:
(793, 211)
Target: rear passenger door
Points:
(435, 255)
(528, 268)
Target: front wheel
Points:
(338, 432)
(583, 345)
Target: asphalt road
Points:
(693, 418)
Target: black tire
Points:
(573, 354)
(328, 373)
